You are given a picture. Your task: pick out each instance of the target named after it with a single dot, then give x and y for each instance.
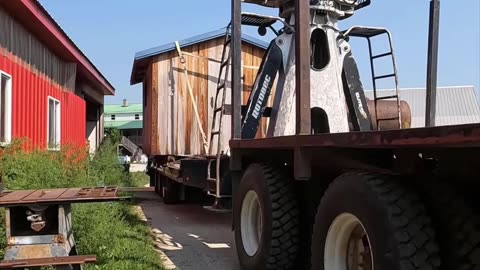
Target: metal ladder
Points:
(375, 78)
(219, 110)
(368, 33)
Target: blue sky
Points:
(109, 32)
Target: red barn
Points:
(50, 92)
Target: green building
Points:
(127, 118)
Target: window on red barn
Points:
(5, 108)
(53, 128)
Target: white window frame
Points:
(58, 127)
(8, 108)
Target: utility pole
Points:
(432, 64)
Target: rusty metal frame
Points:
(446, 136)
(38, 246)
(57, 261)
(459, 136)
(432, 63)
(236, 87)
(57, 196)
(302, 68)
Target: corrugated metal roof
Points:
(119, 109)
(124, 124)
(194, 40)
(141, 58)
(455, 105)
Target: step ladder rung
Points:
(384, 76)
(224, 64)
(386, 97)
(217, 110)
(381, 55)
(221, 86)
(227, 40)
(212, 179)
(388, 119)
(215, 133)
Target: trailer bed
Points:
(458, 136)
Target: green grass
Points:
(111, 231)
(139, 179)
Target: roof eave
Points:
(145, 54)
(56, 34)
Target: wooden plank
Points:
(162, 101)
(257, 56)
(175, 92)
(188, 108)
(149, 101)
(154, 109)
(195, 143)
(181, 103)
(203, 88)
(213, 68)
(172, 134)
(227, 119)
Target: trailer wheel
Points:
(371, 222)
(457, 226)
(156, 183)
(266, 220)
(169, 190)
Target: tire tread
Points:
(457, 224)
(412, 227)
(285, 214)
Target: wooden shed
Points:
(170, 125)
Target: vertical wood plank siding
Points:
(170, 126)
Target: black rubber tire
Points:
(170, 190)
(279, 241)
(400, 233)
(456, 224)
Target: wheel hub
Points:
(251, 223)
(348, 246)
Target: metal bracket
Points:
(302, 164)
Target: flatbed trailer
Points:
(366, 199)
(394, 199)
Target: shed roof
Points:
(36, 19)
(138, 124)
(119, 109)
(455, 105)
(140, 57)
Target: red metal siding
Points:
(30, 92)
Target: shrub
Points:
(109, 230)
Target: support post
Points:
(302, 67)
(302, 162)
(236, 69)
(432, 64)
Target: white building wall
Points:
(122, 117)
(92, 136)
